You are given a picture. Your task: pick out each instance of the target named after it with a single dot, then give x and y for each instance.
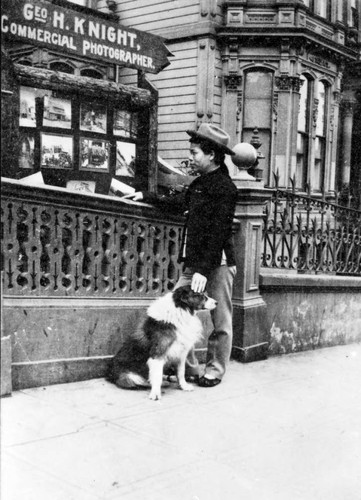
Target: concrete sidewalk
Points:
(288, 428)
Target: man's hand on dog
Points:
(199, 282)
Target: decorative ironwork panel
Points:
(53, 250)
(311, 235)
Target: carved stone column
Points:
(333, 134)
(205, 79)
(250, 328)
(231, 105)
(231, 90)
(348, 109)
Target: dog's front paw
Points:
(186, 387)
(155, 396)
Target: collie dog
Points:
(171, 328)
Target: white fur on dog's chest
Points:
(188, 326)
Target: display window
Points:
(69, 138)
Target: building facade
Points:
(286, 67)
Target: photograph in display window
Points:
(27, 107)
(81, 186)
(125, 160)
(94, 154)
(93, 118)
(56, 151)
(27, 144)
(125, 123)
(57, 112)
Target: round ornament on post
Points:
(244, 158)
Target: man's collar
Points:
(210, 171)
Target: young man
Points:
(207, 247)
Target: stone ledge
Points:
(249, 354)
(308, 282)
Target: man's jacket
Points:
(209, 205)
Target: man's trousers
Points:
(219, 287)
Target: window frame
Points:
(301, 181)
(321, 138)
(313, 137)
(264, 132)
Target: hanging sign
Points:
(70, 31)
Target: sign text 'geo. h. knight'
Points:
(80, 34)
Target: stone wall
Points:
(311, 311)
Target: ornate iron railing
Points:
(310, 234)
(58, 244)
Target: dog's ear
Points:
(181, 295)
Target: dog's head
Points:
(186, 298)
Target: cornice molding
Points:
(298, 36)
(191, 31)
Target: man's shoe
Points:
(208, 382)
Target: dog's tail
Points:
(131, 380)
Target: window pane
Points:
(302, 113)
(257, 113)
(301, 166)
(259, 84)
(302, 136)
(321, 10)
(257, 102)
(320, 123)
(317, 171)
